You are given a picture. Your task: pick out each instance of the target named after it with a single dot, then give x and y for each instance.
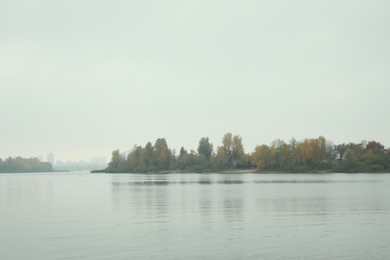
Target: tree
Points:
(279, 154)
(19, 164)
(322, 151)
(205, 148)
(330, 153)
(350, 160)
(261, 157)
(341, 149)
(183, 152)
(162, 154)
(296, 156)
(116, 162)
(146, 161)
(237, 151)
(182, 159)
(221, 159)
(374, 157)
(133, 159)
(233, 150)
(375, 147)
(227, 145)
(306, 153)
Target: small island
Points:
(315, 155)
(19, 164)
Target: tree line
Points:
(19, 164)
(309, 155)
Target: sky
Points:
(82, 78)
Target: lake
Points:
(194, 216)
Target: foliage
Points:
(231, 153)
(205, 148)
(19, 164)
(309, 155)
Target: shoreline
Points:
(239, 171)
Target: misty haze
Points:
(194, 129)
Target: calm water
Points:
(194, 216)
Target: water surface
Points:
(194, 216)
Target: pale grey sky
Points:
(82, 78)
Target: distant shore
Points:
(237, 171)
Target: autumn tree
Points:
(261, 157)
(161, 154)
(233, 151)
(227, 146)
(315, 154)
(220, 160)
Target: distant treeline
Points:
(19, 164)
(309, 155)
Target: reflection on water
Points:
(226, 181)
(233, 209)
(294, 206)
(194, 216)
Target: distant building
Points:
(50, 158)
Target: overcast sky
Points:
(82, 78)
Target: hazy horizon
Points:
(80, 79)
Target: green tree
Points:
(341, 149)
(375, 147)
(374, 157)
(133, 159)
(19, 164)
(190, 162)
(116, 162)
(237, 151)
(350, 160)
(182, 159)
(205, 148)
(146, 160)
